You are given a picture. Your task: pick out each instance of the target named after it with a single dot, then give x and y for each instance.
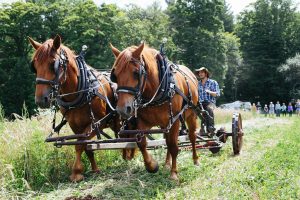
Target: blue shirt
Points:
(211, 85)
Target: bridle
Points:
(141, 76)
(60, 64)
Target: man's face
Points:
(202, 74)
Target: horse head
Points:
(130, 66)
(50, 63)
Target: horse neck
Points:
(71, 83)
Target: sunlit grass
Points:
(29, 166)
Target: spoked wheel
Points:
(237, 133)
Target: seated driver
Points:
(208, 90)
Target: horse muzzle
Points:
(43, 102)
(125, 112)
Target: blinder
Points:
(113, 77)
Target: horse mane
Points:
(125, 57)
(45, 51)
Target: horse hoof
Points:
(174, 177)
(154, 170)
(96, 171)
(196, 162)
(76, 177)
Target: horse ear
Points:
(35, 44)
(56, 42)
(138, 51)
(115, 51)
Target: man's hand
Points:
(214, 94)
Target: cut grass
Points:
(220, 176)
(41, 171)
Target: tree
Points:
(150, 25)
(197, 32)
(290, 70)
(233, 62)
(264, 33)
(17, 21)
(227, 18)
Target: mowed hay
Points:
(28, 163)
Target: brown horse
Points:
(127, 72)
(79, 118)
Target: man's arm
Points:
(215, 92)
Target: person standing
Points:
(283, 109)
(271, 109)
(266, 110)
(277, 109)
(298, 107)
(290, 109)
(253, 109)
(258, 106)
(208, 90)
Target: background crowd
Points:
(277, 109)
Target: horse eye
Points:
(51, 67)
(136, 74)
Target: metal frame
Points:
(202, 142)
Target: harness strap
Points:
(44, 81)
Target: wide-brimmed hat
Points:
(202, 69)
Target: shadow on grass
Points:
(130, 180)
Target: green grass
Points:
(266, 169)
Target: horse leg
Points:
(172, 143)
(168, 160)
(192, 126)
(91, 157)
(77, 168)
(150, 164)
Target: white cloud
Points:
(239, 5)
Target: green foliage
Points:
(233, 62)
(2, 113)
(264, 32)
(197, 29)
(199, 33)
(290, 70)
(78, 22)
(227, 18)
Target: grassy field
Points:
(268, 167)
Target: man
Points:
(208, 90)
(271, 109)
(277, 109)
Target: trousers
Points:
(209, 120)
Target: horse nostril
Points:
(128, 109)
